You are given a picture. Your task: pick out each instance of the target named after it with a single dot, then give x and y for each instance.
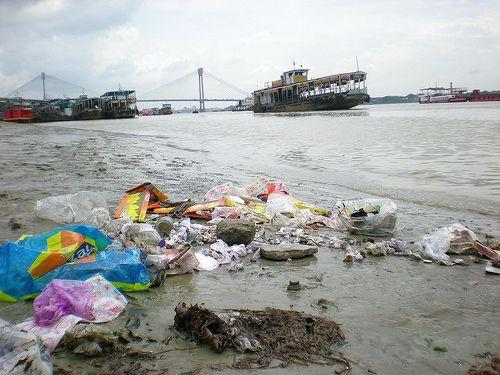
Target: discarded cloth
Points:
(63, 303)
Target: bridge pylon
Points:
(201, 89)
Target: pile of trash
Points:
(78, 271)
(270, 334)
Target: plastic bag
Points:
(98, 217)
(376, 217)
(45, 252)
(206, 263)
(144, 234)
(455, 239)
(21, 353)
(280, 203)
(30, 264)
(69, 208)
(226, 213)
(60, 298)
(220, 191)
(257, 188)
(63, 303)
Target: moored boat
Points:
(442, 95)
(294, 92)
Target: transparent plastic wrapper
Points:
(63, 303)
(455, 239)
(280, 203)
(375, 217)
(98, 217)
(21, 353)
(225, 254)
(206, 263)
(69, 208)
(226, 213)
(144, 233)
(220, 191)
(257, 188)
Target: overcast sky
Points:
(402, 45)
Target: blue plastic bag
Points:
(72, 252)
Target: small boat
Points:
(295, 92)
(18, 114)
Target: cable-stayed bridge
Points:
(197, 86)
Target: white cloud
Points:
(146, 44)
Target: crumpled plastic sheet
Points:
(94, 300)
(220, 191)
(391, 247)
(70, 208)
(455, 239)
(20, 352)
(257, 188)
(206, 263)
(144, 234)
(278, 203)
(60, 298)
(353, 255)
(226, 213)
(225, 254)
(98, 217)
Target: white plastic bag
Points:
(379, 221)
(455, 239)
(280, 203)
(69, 208)
(98, 217)
(206, 263)
(144, 233)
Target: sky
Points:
(142, 45)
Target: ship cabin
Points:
(121, 100)
(294, 86)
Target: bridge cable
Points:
(171, 82)
(243, 92)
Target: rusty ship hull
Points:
(326, 102)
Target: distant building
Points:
(485, 96)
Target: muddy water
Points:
(439, 163)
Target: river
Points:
(438, 162)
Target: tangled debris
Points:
(270, 334)
(492, 368)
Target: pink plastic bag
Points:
(60, 298)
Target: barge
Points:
(294, 92)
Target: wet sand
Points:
(392, 310)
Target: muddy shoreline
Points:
(391, 310)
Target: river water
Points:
(439, 163)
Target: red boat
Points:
(18, 114)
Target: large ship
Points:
(442, 95)
(294, 92)
(110, 105)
